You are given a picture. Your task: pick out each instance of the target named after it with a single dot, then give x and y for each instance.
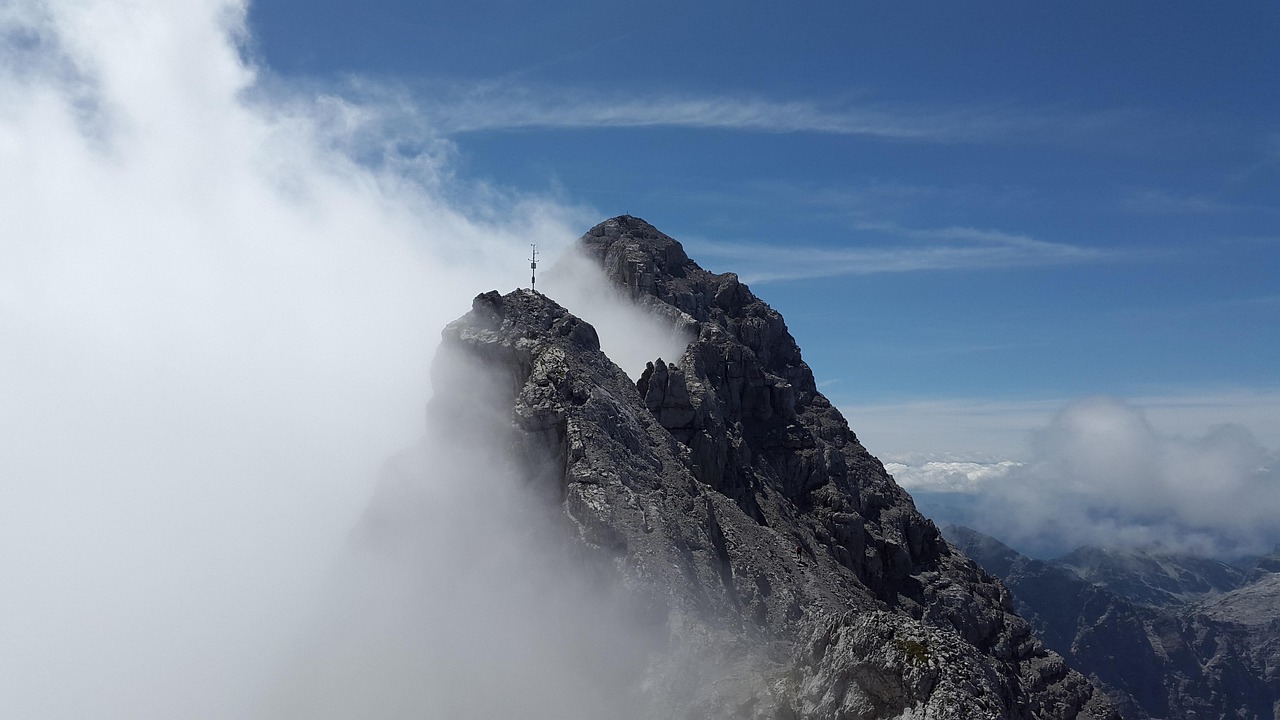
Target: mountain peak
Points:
(790, 572)
(635, 254)
(654, 270)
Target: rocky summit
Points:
(783, 571)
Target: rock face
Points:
(786, 573)
(1152, 630)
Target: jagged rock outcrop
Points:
(788, 573)
(1152, 630)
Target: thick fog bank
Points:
(217, 323)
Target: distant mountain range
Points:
(1164, 635)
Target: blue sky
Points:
(1000, 200)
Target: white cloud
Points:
(507, 106)
(948, 248)
(218, 299)
(948, 476)
(1101, 473)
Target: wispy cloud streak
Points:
(1153, 201)
(502, 106)
(950, 248)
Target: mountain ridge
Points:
(1150, 577)
(782, 571)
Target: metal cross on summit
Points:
(533, 267)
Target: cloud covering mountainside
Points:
(218, 300)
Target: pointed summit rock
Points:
(786, 572)
(760, 432)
